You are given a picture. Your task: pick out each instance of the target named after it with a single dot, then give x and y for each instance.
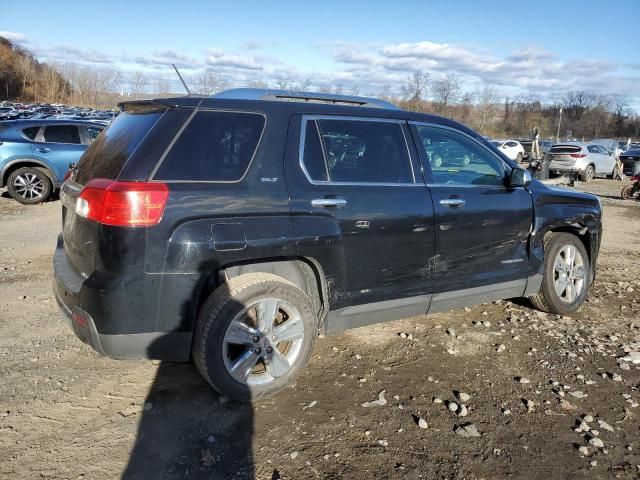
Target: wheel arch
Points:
(304, 272)
(583, 234)
(12, 166)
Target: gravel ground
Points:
(494, 391)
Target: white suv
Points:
(511, 148)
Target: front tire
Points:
(567, 275)
(29, 185)
(627, 192)
(254, 335)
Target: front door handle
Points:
(452, 202)
(329, 202)
(43, 149)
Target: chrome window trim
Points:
(303, 132)
(506, 168)
(184, 127)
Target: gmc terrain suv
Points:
(234, 229)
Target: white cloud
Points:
(15, 36)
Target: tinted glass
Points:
(565, 149)
(632, 153)
(313, 158)
(456, 159)
(593, 149)
(61, 134)
(215, 146)
(31, 132)
(93, 133)
(107, 155)
(365, 151)
(511, 144)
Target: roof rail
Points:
(311, 97)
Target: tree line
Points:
(585, 114)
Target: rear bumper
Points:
(83, 304)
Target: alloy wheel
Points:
(263, 342)
(29, 186)
(569, 274)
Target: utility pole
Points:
(559, 122)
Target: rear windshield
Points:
(108, 153)
(565, 149)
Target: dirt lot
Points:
(67, 413)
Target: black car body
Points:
(294, 193)
(630, 162)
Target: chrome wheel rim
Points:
(263, 342)
(29, 186)
(569, 274)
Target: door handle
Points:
(43, 149)
(328, 202)
(452, 202)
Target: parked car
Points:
(631, 162)
(545, 147)
(511, 148)
(587, 160)
(35, 155)
(234, 229)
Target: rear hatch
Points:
(564, 156)
(630, 162)
(104, 159)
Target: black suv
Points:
(234, 229)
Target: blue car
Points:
(35, 155)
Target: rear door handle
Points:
(452, 202)
(329, 202)
(43, 149)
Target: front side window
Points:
(356, 151)
(215, 147)
(61, 134)
(456, 159)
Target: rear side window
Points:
(62, 134)
(106, 156)
(215, 147)
(93, 132)
(31, 132)
(356, 151)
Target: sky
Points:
(544, 48)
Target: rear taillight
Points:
(67, 174)
(124, 204)
(578, 155)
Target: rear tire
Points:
(588, 175)
(239, 346)
(627, 192)
(29, 185)
(553, 298)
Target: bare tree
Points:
(162, 86)
(25, 66)
(138, 84)
(415, 90)
(577, 102)
(209, 82)
(487, 98)
(445, 91)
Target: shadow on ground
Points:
(187, 432)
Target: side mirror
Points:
(519, 177)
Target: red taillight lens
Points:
(125, 204)
(578, 155)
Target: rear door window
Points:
(62, 134)
(215, 146)
(106, 156)
(93, 132)
(31, 132)
(356, 151)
